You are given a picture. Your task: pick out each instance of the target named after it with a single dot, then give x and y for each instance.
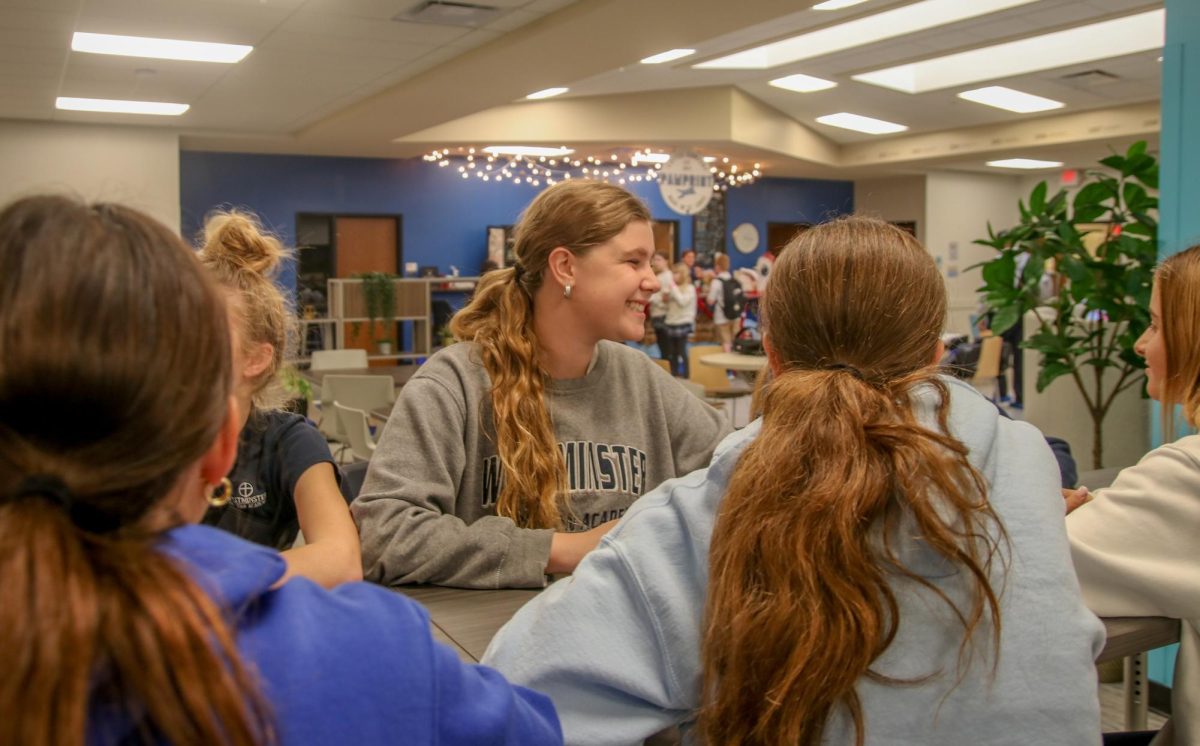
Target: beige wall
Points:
(132, 165)
(900, 198)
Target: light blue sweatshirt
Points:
(616, 646)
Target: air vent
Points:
(444, 13)
(1090, 78)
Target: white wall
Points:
(958, 208)
(900, 198)
(132, 165)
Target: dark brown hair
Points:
(820, 507)
(114, 379)
(577, 215)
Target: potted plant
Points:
(384, 345)
(299, 389)
(1102, 245)
(379, 302)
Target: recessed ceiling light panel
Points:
(526, 150)
(114, 106)
(645, 157)
(861, 31)
(859, 123)
(668, 56)
(547, 93)
(160, 49)
(802, 83)
(1128, 35)
(1027, 164)
(1010, 100)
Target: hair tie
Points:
(518, 270)
(44, 485)
(52, 488)
(835, 367)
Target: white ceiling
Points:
(344, 77)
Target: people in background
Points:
(122, 621)
(716, 301)
(285, 479)
(680, 298)
(878, 559)
(509, 454)
(658, 305)
(1134, 543)
(688, 257)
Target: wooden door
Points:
(367, 244)
(666, 239)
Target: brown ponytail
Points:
(114, 379)
(822, 506)
(577, 215)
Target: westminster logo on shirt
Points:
(247, 497)
(591, 467)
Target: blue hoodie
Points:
(617, 645)
(353, 665)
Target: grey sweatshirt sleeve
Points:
(415, 526)
(695, 426)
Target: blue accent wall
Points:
(445, 216)
(1179, 186)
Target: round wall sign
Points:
(686, 184)
(745, 238)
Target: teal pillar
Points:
(1179, 182)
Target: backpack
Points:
(733, 298)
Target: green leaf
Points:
(1094, 194)
(1037, 198)
(1049, 372)
(1005, 318)
(1115, 162)
(1001, 271)
(1135, 150)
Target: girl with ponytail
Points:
(509, 454)
(122, 623)
(285, 479)
(876, 560)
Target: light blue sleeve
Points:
(592, 645)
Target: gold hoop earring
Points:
(220, 493)
(567, 292)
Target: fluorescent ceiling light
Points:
(1025, 163)
(119, 107)
(836, 4)
(668, 56)
(1010, 100)
(862, 31)
(802, 83)
(859, 123)
(163, 49)
(547, 93)
(1128, 35)
(530, 150)
(644, 157)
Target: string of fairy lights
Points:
(540, 166)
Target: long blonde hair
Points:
(1178, 279)
(808, 538)
(577, 215)
(114, 380)
(245, 258)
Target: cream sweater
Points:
(1135, 551)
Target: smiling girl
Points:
(510, 454)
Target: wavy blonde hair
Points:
(245, 258)
(577, 215)
(1178, 279)
(810, 536)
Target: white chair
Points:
(338, 359)
(357, 430)
(365, 392)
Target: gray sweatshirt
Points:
(427, 509)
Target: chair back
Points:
(664, 364)
(360, 392)
(357, 430)
(988, 367)
(338, 359)
(706, 375)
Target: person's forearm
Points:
(327, 565)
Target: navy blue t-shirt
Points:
(274, 450)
